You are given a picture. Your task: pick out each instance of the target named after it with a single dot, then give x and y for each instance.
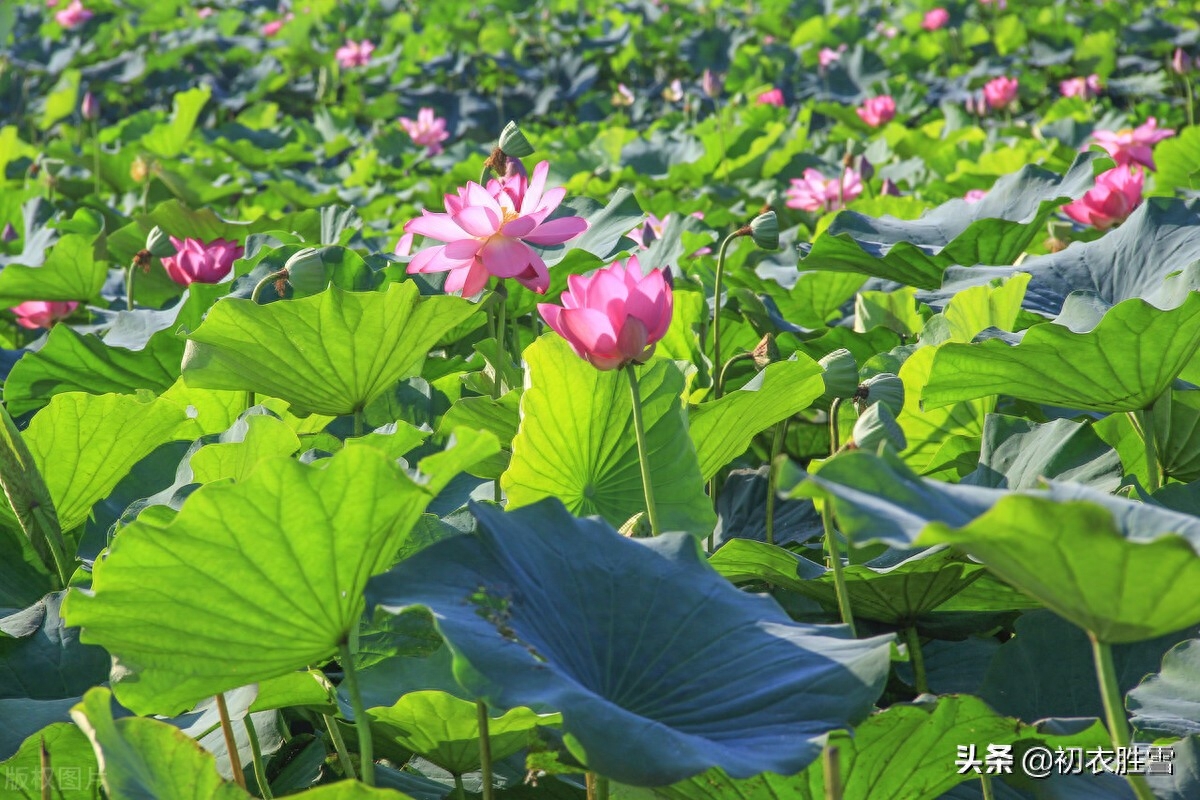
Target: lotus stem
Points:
(597, 787)
(1114, 708)
(716, 326)
(485, 750)
(917, 659)
(1144, 422)
(96, 155)
(1187, 87)
(834, 431)
(835, 563)
(831, 761)
(235, 762)
(47, 774)
(265, 282)
(773, 477)
(358, 422)
(985, 783)
(720, 384)
(639, 429)
(460, 791)
(260, 772)
(339, 745)
(362, 723)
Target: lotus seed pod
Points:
(841, 374)
(637, 526)
(875, 426)
(307, 272)
(513, 143)
(883, 388)
(764, 229)
(159, 244)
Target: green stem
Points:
(96, 156)
(773, 477)
(501, 309)
(254, 295)
(835, 563)
(362, 723)
(716, 326)
(1144, 420)
(985, 782)
(834, 432)
(358, 422)
(917, 659)
(46, 772)
(639, 429)
(597, 787)
(460, 791)
(339, 744)
(129, 287)
(830, 760)
(485, 750)
(1187, 85)
(235, 762)
(260, 772)
(1114, 708)
(720, 385)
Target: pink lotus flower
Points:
(427, 130)
(828, 55)
(205, 12)
(935, 18)
(1133, 146)
(40, 314)
(653, 228)
(771, 97)
(974, 195)
(814, 192)
(887, 31)
(275, 26)
(1085, 88)
(355, 54)
(1116, 194)
(73, 15)
(1000, 92)
(488, 231)
(197, 262)
(615, 316)
(404, 245)
(877, 110)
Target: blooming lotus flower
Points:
(673, 92)
(1085, 88)
(488, 231)
(814, 192)
(274, 26)
(355, 54)
(205, 12)
(1000, 92)
(427, 130)
(828, 55)
(622, 96)
(613, 317)
(653, 229)
(198, 262)
(974, 195)
(1114, 197)
(404, 245)
(935, 18)
(877, 111)
(40, 314)
(1133, 146)
(771, 97)
(73, 15)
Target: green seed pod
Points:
(307, 271)
(159, 244)
(841, 374)
(883, 388)
(875, 426)
(764, 229)
(637, 526)
(513, 143)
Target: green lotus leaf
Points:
(1019, 454)
(73, 271)
(332, 353)
(576, 441)
(74, 774)
(1167, 702)
(253, 438)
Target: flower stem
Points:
(96, 156)
(830, 760)
(260, 772)
(773, 477)
(362, 722)
(235, 762)
(835, 563)
(716, 327)
(485, 750)
(720, 385)
(917, 659)
(1114, 708)
(129, 286)
(339, 745)
(597, 787)
(639, 428)
(985, 782)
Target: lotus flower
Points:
(828, 55)
(73, 15)
(427, 130)
(613, 317)
(90, 107)
(40, 314)
(815, 192)
(274, 26)
(622, 96)
(488, 231)
(935, 18)
(1085, 88)
(673, 92)
(205, 12)
(712, 83)
(355, 54)
(877, 111)
(404, 245)
(1000, 92)
(974, 195)
(771, 97)
(198, 262)
(1114, 197)
(1133, 146)
(653, 228)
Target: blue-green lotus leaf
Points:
(637, 643)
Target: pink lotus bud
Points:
(1085, 88)
(73, 15)
(889, 187)
(615, 316)
(771, 97)
(712, 84)
(355, 54)
(40, 314)
(90, 108)
(9, 234)
(877, 110)
(1116, 194)
(198, 262)
(935, 18)
(974, 195)
(1000, 92)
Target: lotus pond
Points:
(638, 400)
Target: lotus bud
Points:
(513, 143)
(712, 84)
(889, 188)
(1179, 62)
(764, 229)
(139, 170)
(875, 426)
(864, 167)
(765, 352)
(883, 388)
(307, 272)
(90, 107)
(841, 374)
(159, 244)
(9, 234)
